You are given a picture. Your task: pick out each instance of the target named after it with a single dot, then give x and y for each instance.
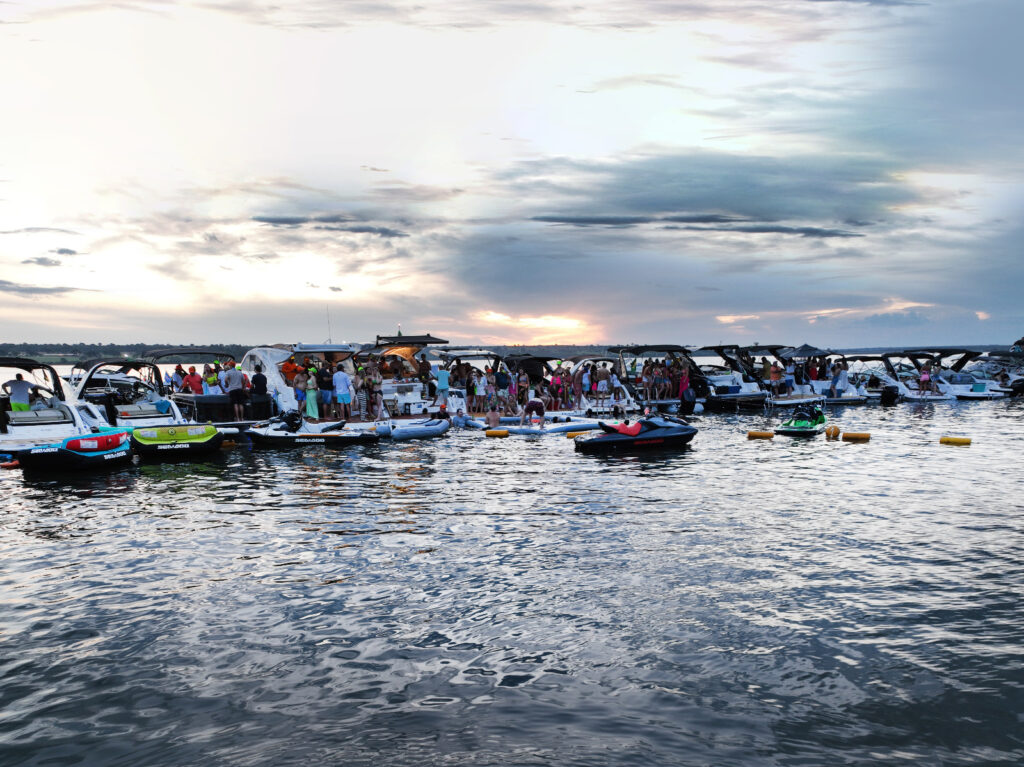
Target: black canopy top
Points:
(183, 351)
(805, 350)
(29, 366)
(409, 340)
(645, 349)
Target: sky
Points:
(836, 172)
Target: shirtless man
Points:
(533, 407)
(493, 417)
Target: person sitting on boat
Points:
(533, 407)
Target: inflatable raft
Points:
(421, 429)
(107, 447)
(163, 443)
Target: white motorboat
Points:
(126, 392)
(803, 357)
(946, 366)
(55, 413)
(909, 382)
(404, 390)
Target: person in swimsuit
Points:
(533, 407)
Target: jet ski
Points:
(290, 430)
(649, 433)
(162, 443)
(807, 421)
(106, 447)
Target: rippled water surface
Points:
(473, 601)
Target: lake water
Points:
(474, 601)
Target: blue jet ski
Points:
(651, 433)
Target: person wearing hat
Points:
(192, 382)
(177, 377)
(289, 369)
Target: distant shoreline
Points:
(69, 354)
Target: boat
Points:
(947, 366)
(126, 392)
(674, 355)
(109, 446)
(55, 413)
(733, 387)
(209, 408)
(176, 442)
(803, 356)
(290, 430)
(806, 421)
(404, 392)
(649, 433)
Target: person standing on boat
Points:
(192, 383)
(233, 384)
(325, 384)
(790, 377)
(289, 369)
(299, 385)
(443, 377)
(20, 392)
(775, 375)
(312, 396)
(342, 393)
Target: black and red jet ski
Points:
(650, 433)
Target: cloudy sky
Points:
(684, 171)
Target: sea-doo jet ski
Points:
(807, 421)
(653, 432)
(290, 430)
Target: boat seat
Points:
(36, 417)
(139, 410)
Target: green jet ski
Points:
(807, 421)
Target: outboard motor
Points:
(687, 402)
(890, 395)
(110, 409)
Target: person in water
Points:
(493, 417)
(533, 407)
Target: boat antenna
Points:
(329, 324)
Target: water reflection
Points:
(473, 601)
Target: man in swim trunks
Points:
(533, 407)
(602, 377)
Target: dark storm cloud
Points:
(42, 261)
(32, 290)
(802, 231)
(380, 231)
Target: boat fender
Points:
(832, 432)
(10, 465)
(954, 440)
(571, 434)
(496, 432)
(856, 436)
(760, 434)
